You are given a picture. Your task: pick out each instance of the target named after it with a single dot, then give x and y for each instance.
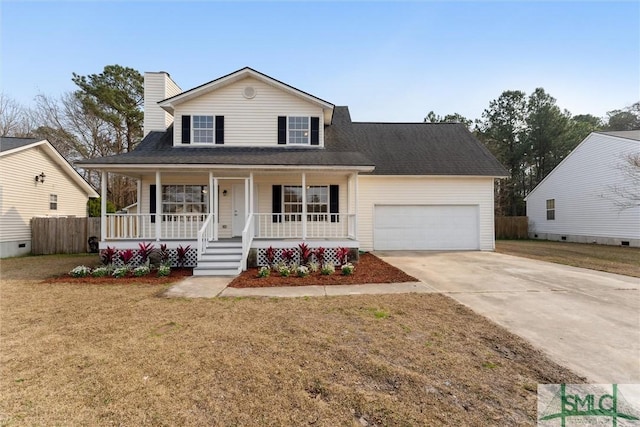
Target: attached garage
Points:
(426, 227)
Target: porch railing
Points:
(247, 238)
(205, 234)
(318, 225)
(143, 226)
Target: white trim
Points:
(103, 205)
(312, 243)
(170, 103)
(213, 131)
(61, 161)
(206, 167)
(158, 206)
(588, 137)
(308, 143)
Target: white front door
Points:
(238, 214)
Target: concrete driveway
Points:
(586, 320)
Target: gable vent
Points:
(249, 92)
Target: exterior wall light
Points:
(40, 178)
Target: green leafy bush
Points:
(327, 269)
(302, 271)
(80, 271)
(101, 272)
(164, 270)
(142, 270)
(120, 272)
(264, 272)
(284, 271)
(347, 269)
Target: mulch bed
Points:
(150, 279)
(369, 269)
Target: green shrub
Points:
(347, 269)
(327, 269)
(164, 270)
(142, 270)
(264, 272)
(101, 272)
(80, 271)
(120, 272)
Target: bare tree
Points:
(626, 194)
(14, 118)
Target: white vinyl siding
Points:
(425, 191)
(157, 86)
(247, 121)
(22, 198)
(582, 188)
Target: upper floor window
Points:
(203, 129)
(299, 131)
(53, 202)
(551, 209)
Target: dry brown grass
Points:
(612, 259)
(121, 355)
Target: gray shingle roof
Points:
(628, 134)
(393, 148)
(9, 143)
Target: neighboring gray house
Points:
(245, 162)
(582, 199)
(35, 180)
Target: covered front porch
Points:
(257, 208)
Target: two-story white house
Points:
(245, 162)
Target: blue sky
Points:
(388, 61)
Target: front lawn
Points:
(612, 259)
(119, 354)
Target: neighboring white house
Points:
(35, 180)
(582, 200)
(245, 162)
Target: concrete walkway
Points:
(210, 287)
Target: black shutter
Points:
(219, 129)
(334, 202)
(276, 205)
(152, 202)
(282, 129)
(315, 131)
(186, 129)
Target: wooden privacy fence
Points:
(512, 227)
(62, 235)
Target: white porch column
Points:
(304, 205)
(246, 199)
(158, 206)
(213, 201)
(215, 208)
(211, 195)
(103, 205)
(355, 205)
(138, 194)
(251, 207)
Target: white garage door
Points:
(432, 227)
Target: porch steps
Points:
(221, 258)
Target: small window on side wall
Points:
(551, 209)
(53, 202)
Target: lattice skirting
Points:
(330, 256)
(191, 261)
